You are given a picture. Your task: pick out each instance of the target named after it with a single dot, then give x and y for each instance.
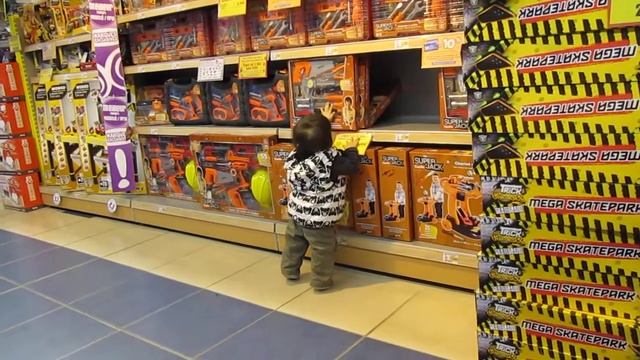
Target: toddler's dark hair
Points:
(310, 135)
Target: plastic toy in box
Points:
(151, 108)
(18, 155)
(32, 26)
(267, 100)
(279, 185)
(14, 119)
(167, 160)
(20, 192)
(492, 347)
(10, 80)
(185, 104)
(231, 35)
(365, 191)
(275, 29)
(147, 42)
(85, 104)
(76, 13)
(187, 35)
(456, 15)
(233, 173)
(392, 18)
(45, 136)
(226, 101)
(453, 100)
(334, 21)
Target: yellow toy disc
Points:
(261, 188)
(191, 175)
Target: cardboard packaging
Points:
(447, 199)
(225, 102)
(491, 347)
(10, 81)
(558, 60)
(334, 21)
(596, 293)
(187, 35)
(14, 118)
(20, 192)
(147, 42)
(275, 29)
(453, 100)
(279, 184)
(393, 18)
(366, 195)
(18, 155)
(566, 109)
(572, 332)
(268, 101)
(395, 193)
(92, 133)
(46, 137)
(184, 99)
(602, 158)
(151, 108)
(347, 221)
(167, 159)
(231, 35)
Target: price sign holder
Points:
(443, 50)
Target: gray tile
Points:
(43, 264)
(121, 346)
(370, 349)
(198, 322)
(7, 236)
(20, 249)
(5, 285)
(284, 337)
(21, 305)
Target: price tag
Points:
(402, 137)
(211, 70)
(443, 51)
(450, 258)
(49, 51)
(624, 13)
(228, 8)
(252, 66)
(264, 159)
(345, 140)
(57, 199)
(401, 44)
(45, 75)
(282, 4)
(112, 206)
(330, 50)
(14, 44)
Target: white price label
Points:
(57, 199)
(330, 50)
(112, 206)
(401, 44)
(402, 137)
(450, 258)
(211, 70)
(49, 52)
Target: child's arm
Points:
(346, 164)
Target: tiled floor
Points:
(77, 287)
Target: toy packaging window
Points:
(231, 35)
(187, 35)
(185, 100)
(335, 21)
(276, 29)
(225, 101)
(169, 166)
(392, 18)
(20, 192)
(151, 108)
(14, 119)
(453, 100)
(76, 13)
(268, 101)
(147, 42)
(18, 155)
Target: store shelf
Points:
(59, 42)
(203, 129)
(79, 75)
(178, 65)
(165, 10)
(4, 44)
(88, 203)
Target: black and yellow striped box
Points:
(587, 291)
(586, 58)
(491, 347)
(598, 158)
(586, 108)
(567, 331)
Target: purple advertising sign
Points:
(113, 93)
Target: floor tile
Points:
(198, 322)
(370, 349)
(211, 264)
(89, 278)
(43, 264)
(284, 337)
(39, 221)
(78, 231)
(5, 286)
(129, 301)
(357, 303)
(159, 251)
(263, 284)
(44, 338)
(121, 346)
(6, 236)
(115, 240)
(20, 305)
(21, 249)
(426, 323)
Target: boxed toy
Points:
(596, 293)
(267, 100)
(226, 100)
(334, 21)
(275, 29)
(504, 19)
(604, 158)
(45, 135)
(59, 19)
(554, 60)
(147, 42)
(395, 193)
(167, 160)
(453, 100)
(231, 35)
(581, 204)
(187, 35)
(584, 108)
(20, 192)
(447, 199)
(85, 103)
(393, 18)
(151, 108)
(76, 13)
(596, 250)
(456, 15)
(72, 177)
(10, 81)
(366, 197)
(184, 97)
(18, 155)
(347, 221)
(491, 347)
(233, 173)
(279, 184)
(14, 118)
(572, 332)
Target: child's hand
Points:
(327, 111)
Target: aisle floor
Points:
(78, 287)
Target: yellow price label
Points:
(360, 141)
(273, 5)
(624, 13)
(14, 44)
(442, 50)
(253, 66)
(228, 8)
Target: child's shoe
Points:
(319, 285)
(292, 277)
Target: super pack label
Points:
(558, 60)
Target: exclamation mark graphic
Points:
(121, 167)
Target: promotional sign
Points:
(113, 93)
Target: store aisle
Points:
(77, 287)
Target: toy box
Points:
(20, 192)
(393, 18)
(506, 19)
(334, 21)
(85, 103)
(447, 199)
(10, 81)
(453, 100)
(279, 184)
(596, 293)
(76, 13)
(59, 18)
(45, 135)
(64, 135)
(596, 250)
(147, 42)
(99, 163)
(167, 161)
(226, 101)
(317, 82)
(233, 173)
(366, 195)
(18, 155)
(14, 118)
(572, 332)
(491, 347)
(151, 108)
(268, 101)
(581, 204)
(347, 221)
(555, 60)
(231, 35)
(187, 35)
(604, 158)
(275, 29)
(586, 108)
(456, 15)
(184, 98)
(72, 177)
(395, 193)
